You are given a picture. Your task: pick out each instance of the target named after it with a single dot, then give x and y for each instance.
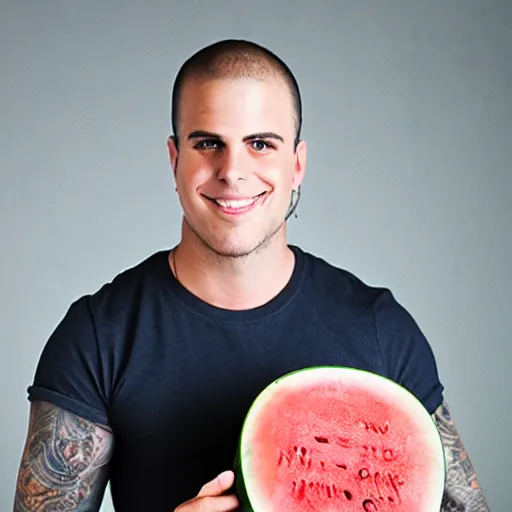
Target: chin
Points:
(235, 241)
(237, 247)
(237, 250)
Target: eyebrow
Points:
(197, 134)
(263, 135)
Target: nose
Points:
(232, 165)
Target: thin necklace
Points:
(174, 268)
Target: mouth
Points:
(237, 206)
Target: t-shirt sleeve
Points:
(406, 354)
(69, 372)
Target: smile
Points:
(237, 206)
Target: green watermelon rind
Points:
(240, 486)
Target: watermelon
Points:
(333, 438)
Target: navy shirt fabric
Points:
(174, 376)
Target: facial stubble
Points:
(260, 246)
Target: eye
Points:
(260, 145)
(208, 144)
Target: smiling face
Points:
(237, 163)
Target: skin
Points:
(214, 496)
(243, 262)
(231, 262)
(64, 464)
(462, 490)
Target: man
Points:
(146, 382)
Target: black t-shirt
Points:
(174, 376)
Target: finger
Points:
(226, 503)
(220, 484)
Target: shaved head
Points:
(235, 59)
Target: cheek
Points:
(192, 172)
(279, 172)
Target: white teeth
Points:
(235, 203)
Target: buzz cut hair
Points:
(235, 59)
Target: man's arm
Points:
(64, 464)
(462, 490)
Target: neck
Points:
(234, 283)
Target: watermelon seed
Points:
(302, 455)
(376, 428)
(369, 506)
(341, 466)
(344, 442)
(384, 429)
(363, 473)
(348, 495)
(302, 489)
(388, 455)
(284, 458)
(319, 439)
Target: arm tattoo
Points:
(65, 463)
(462, 490)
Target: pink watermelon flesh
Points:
(326, 439)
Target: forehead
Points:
(242, 105)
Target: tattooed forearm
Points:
(462, 490)
(65, 463)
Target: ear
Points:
(173, 152)
(300, 164)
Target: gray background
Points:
(408, 116)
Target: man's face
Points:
(236, 164)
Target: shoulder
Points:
(339, 284)
(148, 272)
(83, 357)
(130, 286)
(344, 300)
(111, 305)
(340, 297)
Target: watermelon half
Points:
(330, 438)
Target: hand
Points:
(211, 497)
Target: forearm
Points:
(462, 490)
(64, 465)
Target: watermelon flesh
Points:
(329, 439)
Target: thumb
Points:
(218, 485)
